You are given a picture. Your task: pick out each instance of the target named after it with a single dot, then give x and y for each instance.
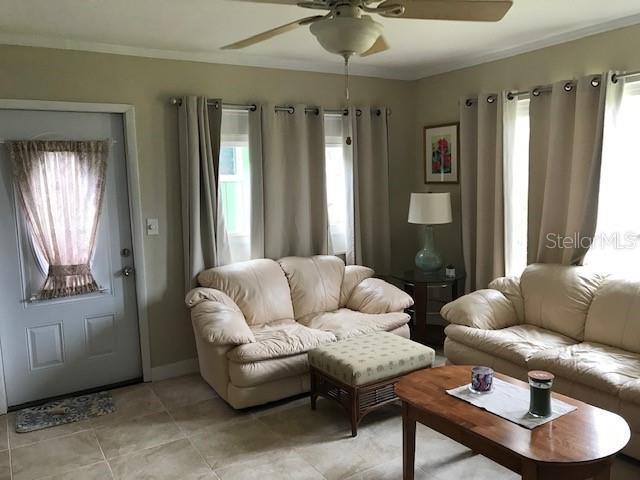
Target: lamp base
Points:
(427, 259)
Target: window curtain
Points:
(257, 182)
(564, 170)
(295, 199)
(204, 237)
(481, 185)
(61, 185)
(368, 233)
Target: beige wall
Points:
(438, 96)
(47, 74)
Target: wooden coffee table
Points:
(575, 446)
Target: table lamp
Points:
(429, 209)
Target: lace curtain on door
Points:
(60, 185)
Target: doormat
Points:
(66, 410)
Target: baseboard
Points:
(183, 367)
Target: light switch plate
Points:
(152, 226)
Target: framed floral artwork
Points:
(441, 153)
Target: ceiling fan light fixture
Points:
(346, 35)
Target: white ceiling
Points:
(195, 30)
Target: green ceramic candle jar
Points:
(540, 383)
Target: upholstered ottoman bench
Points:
(359, 373)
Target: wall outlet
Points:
(152, 226)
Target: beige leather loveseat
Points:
(254, 321)
(581, 325)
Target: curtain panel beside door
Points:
(204, 237)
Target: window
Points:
(616, 246)
(516, 183)
(337, 190)
(235, 182)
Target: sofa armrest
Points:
(353, 275)
(483, 309)
(510, 287)
(373, 295)
(217, 319)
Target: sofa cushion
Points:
(258, 287)
(264, 371)
(614, 316)
(592, 364)
(557, 297)
(345, 323)
(315, 283)
(279, 339)
(630, 392)
(368, 358)
(516, 344)
(353, 275)
(373, 295)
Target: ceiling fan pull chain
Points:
(346, 91)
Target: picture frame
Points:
(441, 146)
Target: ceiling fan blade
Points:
(469, 10)
(261, 37)
(380, 45)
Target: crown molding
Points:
(324, 66)
(217, 57)
(467, 61)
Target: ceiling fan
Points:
(346, 29)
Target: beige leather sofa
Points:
(581, 325)
(254, 321)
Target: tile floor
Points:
(179, 429)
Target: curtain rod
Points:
(2, 142)
(278, 108)
(568, 86)
(616, 76)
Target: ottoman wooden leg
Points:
(355, 409)
(314, 388)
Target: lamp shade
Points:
(430, 208)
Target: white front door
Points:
(60, 346)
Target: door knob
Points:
(127, 271)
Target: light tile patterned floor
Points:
(179, 429)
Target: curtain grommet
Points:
(614, 78)
(491, 99)
(510, 96)
(536, 92)
(595, 82)
(468, 102)
(568, 87)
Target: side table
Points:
(421, 286)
